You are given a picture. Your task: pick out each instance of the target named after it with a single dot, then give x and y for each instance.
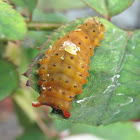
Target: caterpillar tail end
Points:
(66, 113)
(36, 104)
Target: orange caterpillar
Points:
(64, 67)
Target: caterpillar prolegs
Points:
(64, 68)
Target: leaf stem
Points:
(108, 18)
(42, 26)
(49, 133)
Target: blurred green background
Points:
(24, 25)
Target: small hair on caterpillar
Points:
(64, 67)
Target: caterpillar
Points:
(64, 67)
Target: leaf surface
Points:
(60, 5)
(49, 17)
(109, 132)
(108, 8)
(12, 25)
(8, 79)
(27, 4)
(113, 86)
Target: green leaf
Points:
(49, 17)
(108, 8)
(35, 39)
(27, 4)
(112, 90)
(109, 132)
(59, 5)
(31, 134)
(62, 125)
(8, 79)
(34, 133)
(22, 100)
(12, 25)
(32, 40)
